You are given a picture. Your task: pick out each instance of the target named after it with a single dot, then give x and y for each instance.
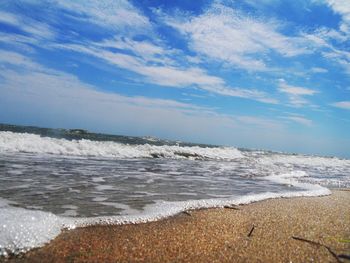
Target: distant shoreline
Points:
(277, 230)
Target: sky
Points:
(267, 74)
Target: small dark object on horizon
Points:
(78, 131)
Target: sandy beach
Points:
(314, 229)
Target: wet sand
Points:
(259, 232)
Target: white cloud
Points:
(326, 40)
(321, 37)
(342, 7)
(227, 35)
(242, 93)
(35, 82)
(296, 94)
(299, 119)
(8, 18)
(162, 75)
(20, 41)
(35, 29)
(176, 77)
(318, 70)
(340, 57)
(194, 60)
(157, 63)
(115, 14)
(295, 91)
(143, 48)
(168, 75)
(259, 122)
(327, 33)
(149, 52)
(342, 104)
(16, 59)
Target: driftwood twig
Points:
(320, 245)
(231, 207)
(251, 231)
(187, 213)
(344, 256)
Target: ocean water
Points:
(51, 179)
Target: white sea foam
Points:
(291, 179)
(32, 143)
(305, 160)
(23, 229)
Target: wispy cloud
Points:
(340, 57)
(8, 18)
(143, 48)
(148, 57)
(296, 94)
(343, 8)
(331, 43)
(299, 119)
(318, 70)
(18, 60)
(342, 105)
(32, 28)
(226, 35)
(18, 41)
(260, 122)
(295, 91)
(167, 73)
(116, 14)
(69, 85)
(220, 33)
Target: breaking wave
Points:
(32, 143)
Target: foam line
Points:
(22, 229)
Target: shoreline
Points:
(299, 229)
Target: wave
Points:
(32, 143)
(22, 229)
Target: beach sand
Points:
(217, 235)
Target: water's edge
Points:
(57, 224)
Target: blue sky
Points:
(270, 74)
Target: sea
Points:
(55, 179)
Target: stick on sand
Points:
(320, 245)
